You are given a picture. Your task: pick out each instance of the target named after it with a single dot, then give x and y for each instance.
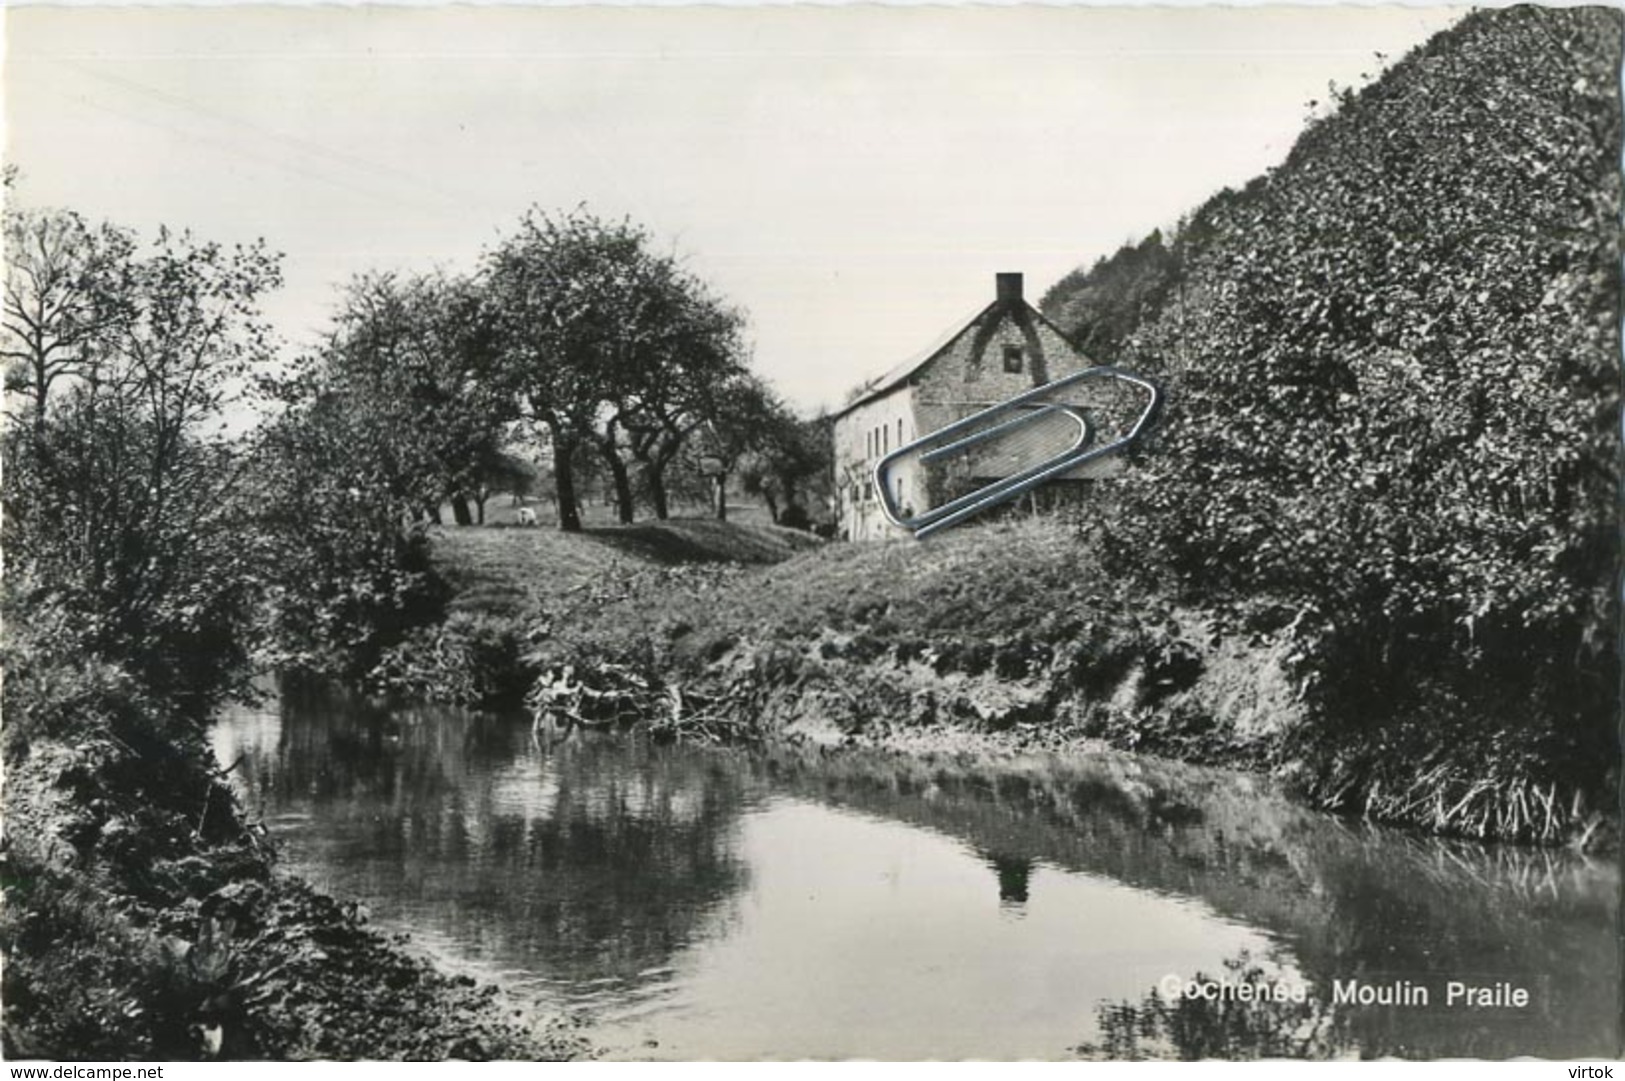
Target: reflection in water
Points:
(1264, 1025)
(582, 868)
(1014, 873)
(1344, 901)
(788, 903)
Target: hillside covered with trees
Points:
(1392, 367)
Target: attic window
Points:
(1012, 358)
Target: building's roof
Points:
(901, 374)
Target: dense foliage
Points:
(124, 522)
(1393, 376)
(347, 570)
(1102, 306)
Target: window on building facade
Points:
(1012, 358)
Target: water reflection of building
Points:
(1345, 899)
(1014, 873)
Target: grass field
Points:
(500, 509)
(507, 570)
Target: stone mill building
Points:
(1006, 348)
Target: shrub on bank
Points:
(470, 659)
(142, 918)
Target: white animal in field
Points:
(527, 516)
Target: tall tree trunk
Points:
(655, 474)
(665, 450)
(618, 474)
(459, 509)
(564, 483)
(772, 506)
(719, 496)
(42, 393)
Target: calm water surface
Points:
(730, 904)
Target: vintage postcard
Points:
(811, 532)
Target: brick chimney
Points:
(1009, 289)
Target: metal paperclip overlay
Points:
(1029, 413)
(1029, 407)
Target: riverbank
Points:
(1009, 628)
(145, 918)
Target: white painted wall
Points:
(862, 438)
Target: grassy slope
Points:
(506, 571)
(985, 581)
(1007, 625)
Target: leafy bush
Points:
(82, 982)
(51, 695)
(348, 568)
(470, 659)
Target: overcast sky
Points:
(852, 177)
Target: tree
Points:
(510, 473)
(742, 416)
(683, 377)
(339, 497)
(123, 530)
(555, 284)
(792, 462)
(608, 344)
(420, 353)
(67, 290)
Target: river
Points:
(692, 902)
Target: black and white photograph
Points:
(778, 532)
